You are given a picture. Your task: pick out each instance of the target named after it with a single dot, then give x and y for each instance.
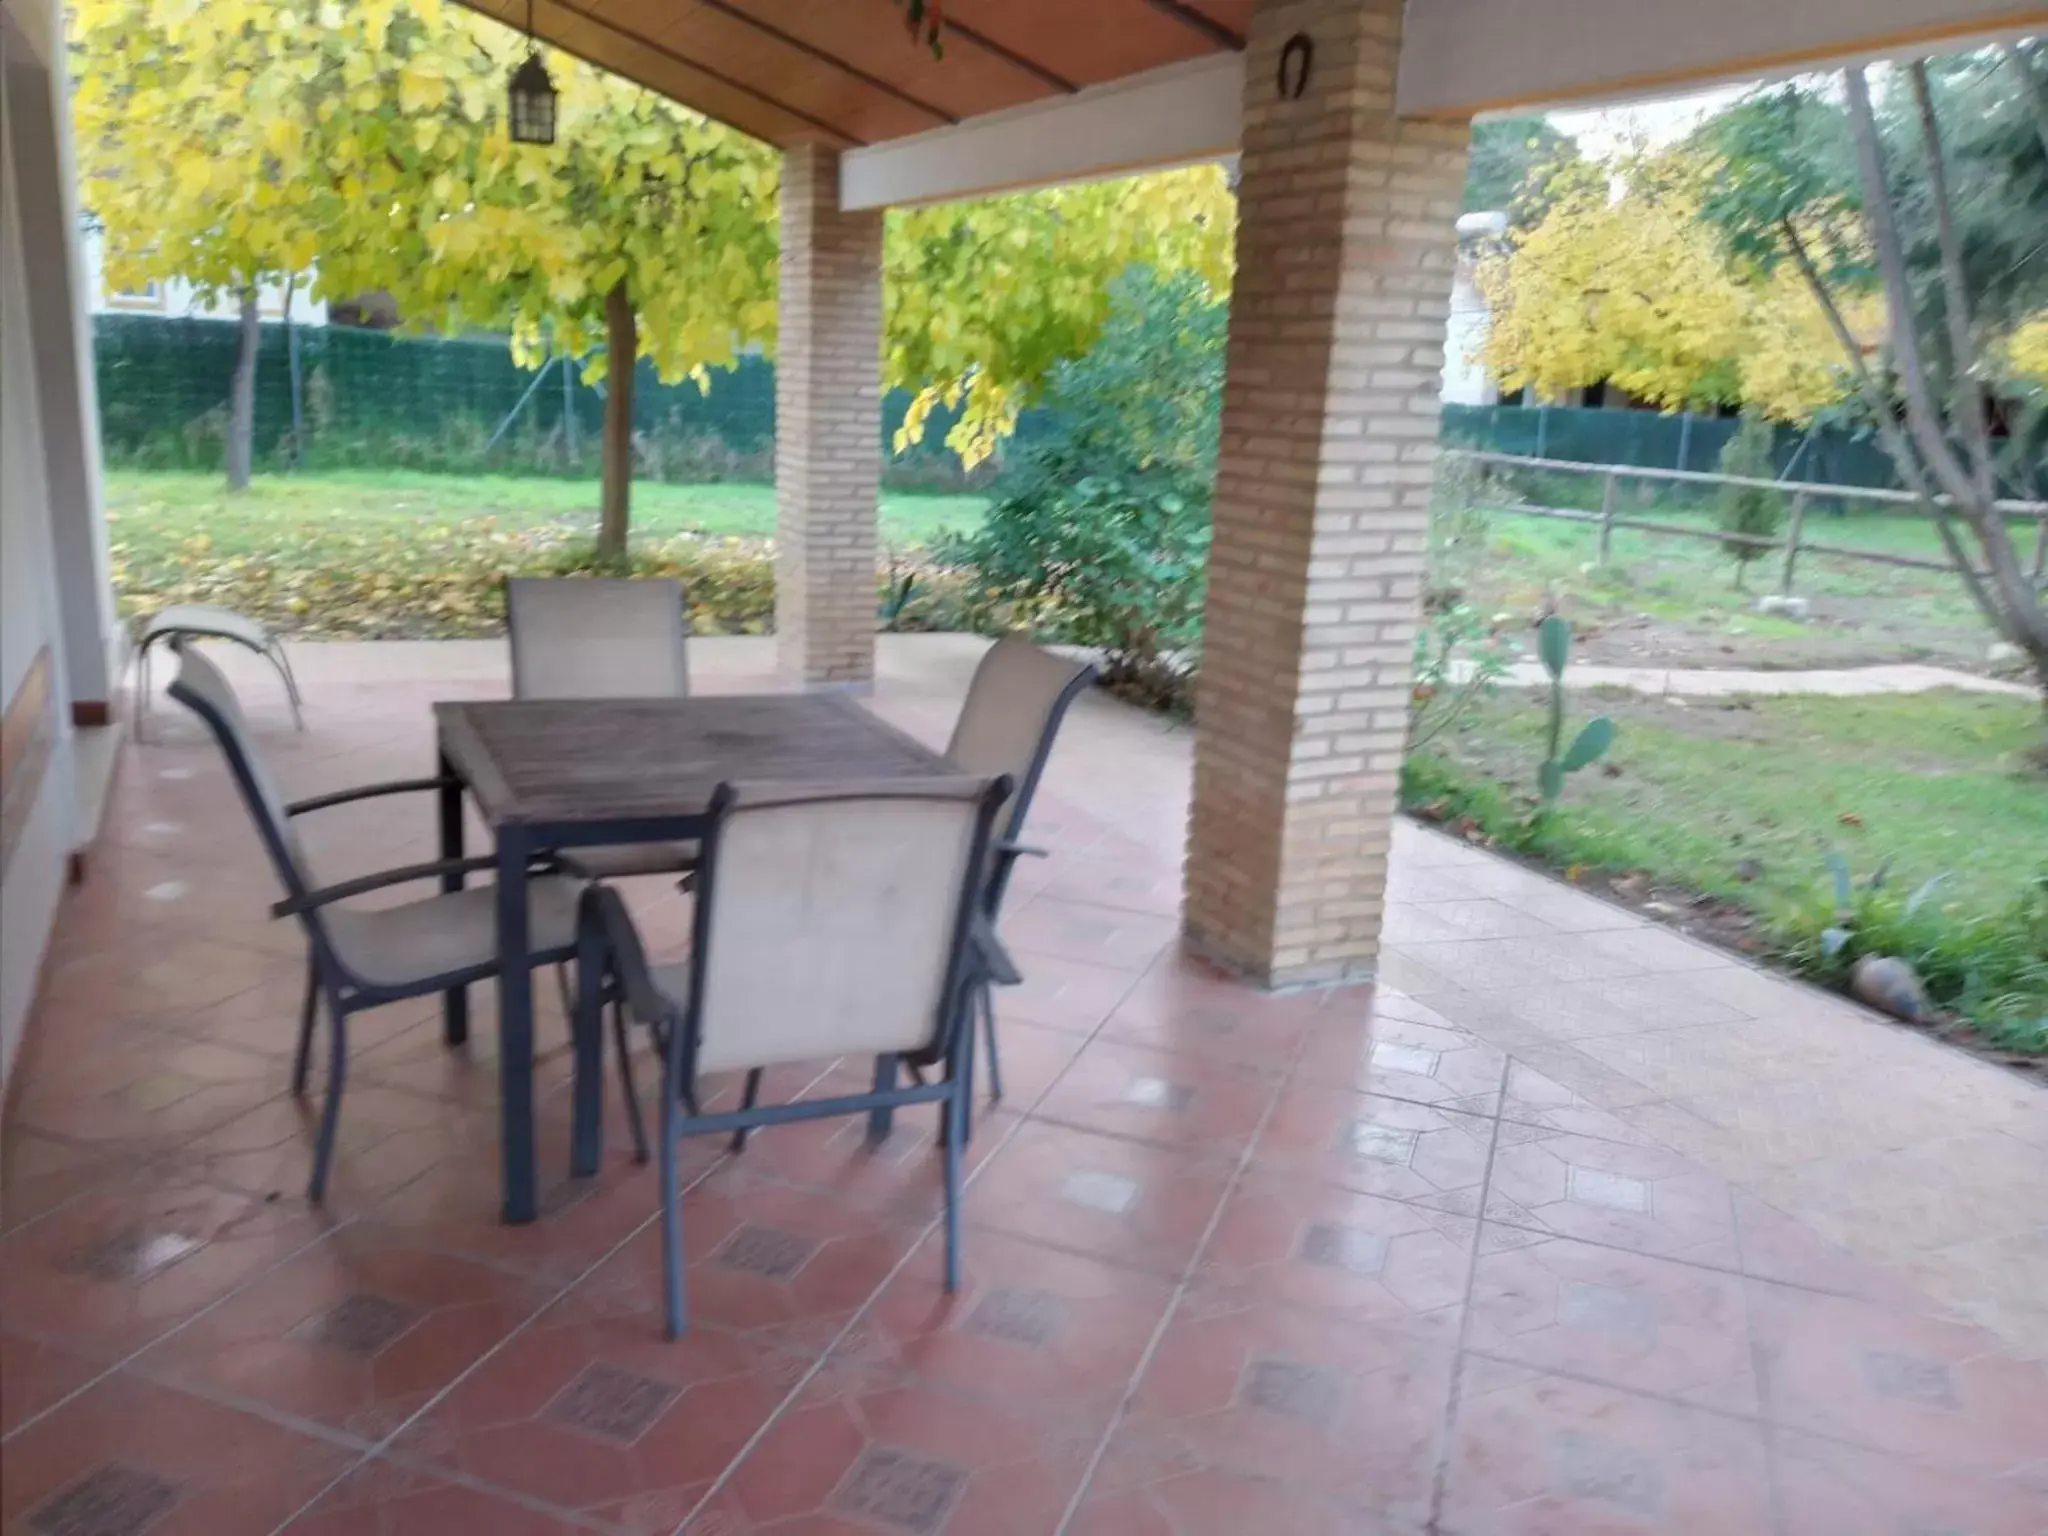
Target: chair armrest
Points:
(328, 894)
(989, 953)
(367, 792)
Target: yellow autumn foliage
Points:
(1623, 281)
(236, 142)
(2026, 352)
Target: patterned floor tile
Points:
(1345, 1410)
(128, 1458)
(1539, 1455)
(1647, 1324)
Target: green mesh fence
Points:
(1651, 441)
(371, 399)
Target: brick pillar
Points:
(1345, 252)
(828, 427)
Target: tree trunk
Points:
(622, 348)
(242, 397)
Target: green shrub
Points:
(1099, 534)
(1749, 512)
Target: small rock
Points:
(2003, 653)
(1784, 607)
(1748, 869)
(1890, 985)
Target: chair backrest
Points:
(596, 637)
(1014, 706)
(202, 688)
(833, 921)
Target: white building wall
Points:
(176, 299)
(32, 879)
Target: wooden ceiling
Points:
(848, 72)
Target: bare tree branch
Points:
(1896, 445)
(1967, 399)
(1921, 417)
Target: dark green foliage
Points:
(1510, 157)
(1749, 511)
(1099, 533)
(1786, 155)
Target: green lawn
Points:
(150, 509)
(1744, 799)
(1666, 600)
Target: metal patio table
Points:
(559, 774)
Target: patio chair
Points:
(1019, 696)
(364, 957)
(829, 923)
(203, 621)
(601, 637)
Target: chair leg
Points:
(987, 1001)
(881, 1121)
(337, 1077)
(623, 1041)
(671, 1217)
(308, 1012)
(282, 662)
(142, 691)
(749, 1097)
(955, 1130)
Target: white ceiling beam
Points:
(1468, 58)
(1179, 115)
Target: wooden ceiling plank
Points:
(1010, 56)
(1200, 21)
(823, 56)
(730, 82)
(962, 80)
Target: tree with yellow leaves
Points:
(1622, 281)
(237, 142)
(242, 141)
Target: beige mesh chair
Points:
(364, 957)
(829, 923)
(1014, 707)
(601, 637)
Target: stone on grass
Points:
(1784, 607)
(2003, 653)
(1890, 985)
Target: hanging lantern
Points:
(530, 99)
(531, 105)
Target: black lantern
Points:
(531, 95)
(532, 103)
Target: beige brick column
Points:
(828, 427)
(1344, 261)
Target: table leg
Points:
(455, 1001)
(586, 1135)
(515, 1027)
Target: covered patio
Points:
(1349, 1179)
(1567, 1225)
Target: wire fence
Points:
(1648, 439)
(1803, 495)
(337, 397)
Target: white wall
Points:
(176, 299)
(29, 618)
(1464, 57)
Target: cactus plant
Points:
(1554, 646)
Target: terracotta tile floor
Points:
(1570, 1227)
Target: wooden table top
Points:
(586, 761)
